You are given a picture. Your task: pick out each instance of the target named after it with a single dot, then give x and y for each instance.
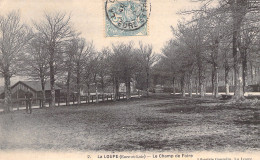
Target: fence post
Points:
(97, 98)
(17, 105)
(59, 101)
(92, 98)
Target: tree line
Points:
(220, 40)
(52, 50)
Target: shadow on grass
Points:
(199, 143)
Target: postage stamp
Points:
(126, 17)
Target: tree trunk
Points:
(78, 84)
(183, 85)
(257, 74)
(237, 21)
(88, 88)
(52, 80)
(102, 84)
(238, 79)
(173, 86)
(215, 80)
(252, 73)
(238, 82)
(190, 85)
(197, 86)
(43, 92)
(78, 96)
(147, 82)
(201, 84)
(128, 89)
(202, 89)
(201, 78)
(68, 88)
(244, 67)
(96, 86)
(102, 87)
(215, 67)
(7, 91)
(226, 79)
(116, 87)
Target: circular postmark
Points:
(127, 14)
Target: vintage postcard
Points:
(129, 79)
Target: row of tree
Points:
(219, 39)
(51, 50)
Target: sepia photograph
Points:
(130, 79)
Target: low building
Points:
(19, 89)
(122, 87)
(158, 88)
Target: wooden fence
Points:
(62, 101)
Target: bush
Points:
(169, 90)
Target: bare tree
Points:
(37, 64)
(114, 73)
(94, 66)
(68, 68)
(124, 65)
(103, 70)
(56, 31)
(170, 62)
(238, 10)
(248, 36)
(82, 51)
(179, 61)
(227, 64)
(88, 69)
(148, 58)
(14, 36)
(216, 28)
(193, 37)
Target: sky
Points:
(87, 17)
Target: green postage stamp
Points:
(126, 17)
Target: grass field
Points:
(159, 123)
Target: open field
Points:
(159, 123)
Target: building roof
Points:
(36, 85)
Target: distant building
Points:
(122, 87)
(158, 89)
(19, 89)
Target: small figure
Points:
(28, 96)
